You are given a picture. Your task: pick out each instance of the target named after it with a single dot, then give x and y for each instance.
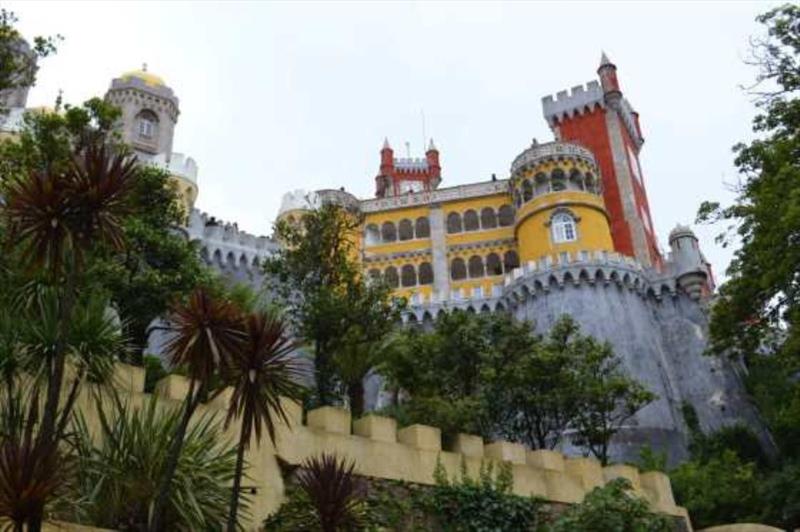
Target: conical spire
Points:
(431, 146)
(604, 60)
(386, 144)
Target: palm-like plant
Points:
(54, 217)
(261, 371)
(334, 491)
(119, 472)
(206, 331)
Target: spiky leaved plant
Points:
(55, 215)
(334, 491)
(119, 471)
(261, 371)
(206, 331)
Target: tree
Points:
(17, 66)
(262, 370)
(317, 277)
(206, 332)
(608, 397)
(612, 507)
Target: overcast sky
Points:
(280, 96)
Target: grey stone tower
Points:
(687, 261)
(149, 112)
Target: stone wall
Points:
(382, 450)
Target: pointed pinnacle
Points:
(604, 59)
(431, 146)
(386, 144)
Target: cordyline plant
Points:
(261, 371)
(206, 332)
(334, 491)
(54, 217)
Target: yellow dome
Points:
(147, 77)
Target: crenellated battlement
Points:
(382, 450)
(579, 99)
(225, 245)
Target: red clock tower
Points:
(600, 118)
(407, 175)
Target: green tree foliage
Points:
(612, 508)
(19, 69)
(157, 263)
(608, 398)
(118, 472)
(720, 490)
(317, 276)
(489, 375)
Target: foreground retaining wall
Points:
(381, 450)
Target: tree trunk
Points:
(355, 393)
(171, 463)
(237, 481)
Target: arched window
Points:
(591, 183)
(388, 232)
(517, 199)
(527, 190)
(425, 273)
(458, 270)
(510, 260)
(493, 264)
(506, 216)
(563, 228)
(374, 275)
(405, 229)
(372, 235)
(558, 180)
(408, 275)
(423, 227)
(471, 222)
(475, 266)
(390, 276)
(576, 179)
(454, 223)
(488, 218)
(147, 125)
(542, 184)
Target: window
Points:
(453, 222)
(425, 273)
(493, 265)
(488, 218)
(510, 260)
(406, 230)
(476, 266)
(527, 190)
(471, 222)
(506, 216)
(408, 275)
(148, 124)
(563, 228)
(388, 232)
(423, 227)
(372, 235)
(391, 278)
(374, 275)
(458, 270)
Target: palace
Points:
(568, 231)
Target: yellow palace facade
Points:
(434, 244)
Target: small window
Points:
(458, 270)
(476, 266)
(506, 216)
(493, 265)
(563, 228)
(423, 227)
(527, 191)
(391, 277)
(488, 218)
(406, 230)
(510, 260)
(408, 275)
(425, 273)
(388, 232)
(147, 122)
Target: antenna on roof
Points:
(408, 149)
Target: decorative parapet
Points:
(579, 99)
(225, 244)
(555, 150)
(461, 192)
(179, 165)
(381, 450)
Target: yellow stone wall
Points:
(533, 230)
(381, 450)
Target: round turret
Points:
(558, 201)
(687, 261)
